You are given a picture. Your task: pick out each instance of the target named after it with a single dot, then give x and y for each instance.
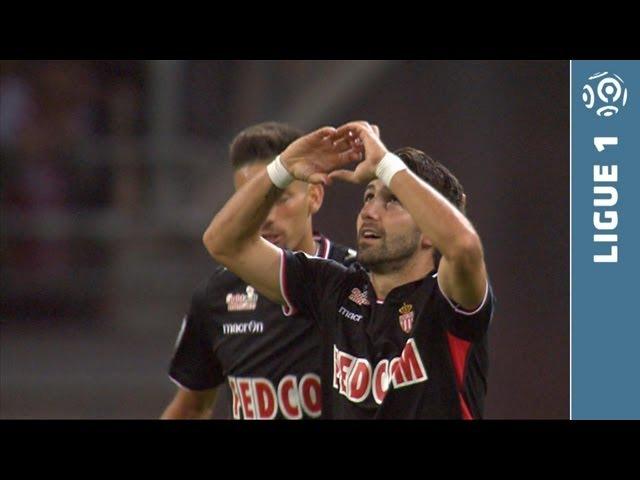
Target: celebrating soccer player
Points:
(404, 330)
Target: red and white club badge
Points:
(406, 317)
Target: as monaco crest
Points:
(406, 317)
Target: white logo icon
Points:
(606, 92)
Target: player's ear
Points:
(316, 196)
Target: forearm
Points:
(239, 221)
(449, 230)
(179, 412)
(308, 159)
(188, 405)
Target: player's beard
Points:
(390, 254)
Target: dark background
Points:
(111, 171)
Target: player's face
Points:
(387, 235)
(289, 220)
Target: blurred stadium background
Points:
(111, 170)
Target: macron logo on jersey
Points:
(350, 315)
(354, 378)
(240, 328)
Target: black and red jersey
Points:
(415, 355)
(270, 363)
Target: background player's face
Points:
(289, 220)
(388, 237)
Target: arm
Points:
(190, 405)
(233, 238)
(462, 273)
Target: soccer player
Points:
(405, 328)
(233, 334)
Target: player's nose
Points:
(370, 211)
(271, 218)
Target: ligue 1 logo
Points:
(605, 92)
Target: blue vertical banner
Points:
(605, 239)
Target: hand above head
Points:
(311, 157)
(368, 136)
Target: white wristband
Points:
(388, 167)
(279, 175)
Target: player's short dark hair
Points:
(261, 143)
(436, 175)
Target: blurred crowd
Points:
(50, 112)
(74, 150)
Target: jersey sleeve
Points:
(194, 366)
(470, 325)
(307, 283)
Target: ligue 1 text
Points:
(605, 199)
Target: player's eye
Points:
(393, 201)
(283, 199)
(368, 196)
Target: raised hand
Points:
(367, 136)
(312, 157)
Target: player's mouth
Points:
(368, 234)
